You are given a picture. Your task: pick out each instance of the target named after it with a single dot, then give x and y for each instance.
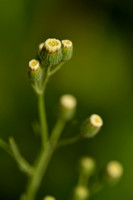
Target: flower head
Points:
(67, 44)
(67, 49)
(91, 126)
(81, 193)
(49, 198)
(34, 65)
(114, 169)
(67, 106)
(87, 165)
(52, 45)
(96, 121)
(68, 101)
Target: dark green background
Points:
(99, 75)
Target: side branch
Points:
(68, 141)
(23, 165)
(5, 146)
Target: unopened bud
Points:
(113, 172)
(49, 198)
(67, 106)
(81, 193)
(35, 71)
(67, 49)
(51, 53)
(41, 46)
(91, 126)
(87, 166)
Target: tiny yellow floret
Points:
(67, 43)
(49, 198)
(34, 64)
(96, 121)
(87, 164)
(52, 45)
(81, 192)
(114, 169)
(68, 101)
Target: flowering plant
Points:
(52, 54)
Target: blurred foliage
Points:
(99, 75)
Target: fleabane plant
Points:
(52, 54)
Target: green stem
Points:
(23, 165)
(43, 161)
(69, 141)
(48, 146)
(57, 131)
(96, 187)
(83, 179)
(6, 147)
(43, 121)
(40, 169)
(56, 68)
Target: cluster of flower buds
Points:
(111, 174)
(51, 53)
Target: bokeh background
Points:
(100, 75)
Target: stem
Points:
(83, 179)
(48, 145)
(56, 68)
(43, 121)
(69, 141)
(5, 147)
(40, 169)
(43, 161)
(24, 166)
(95, 188)
(57, 131)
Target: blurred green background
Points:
(99, 75)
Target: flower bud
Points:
(91, 126)
(67, 106)
(41, 46)
(81, 193)
(113, 172)
(50, 52)
(49, 198)
(35, 71)
(87, 166)
(67, 49)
